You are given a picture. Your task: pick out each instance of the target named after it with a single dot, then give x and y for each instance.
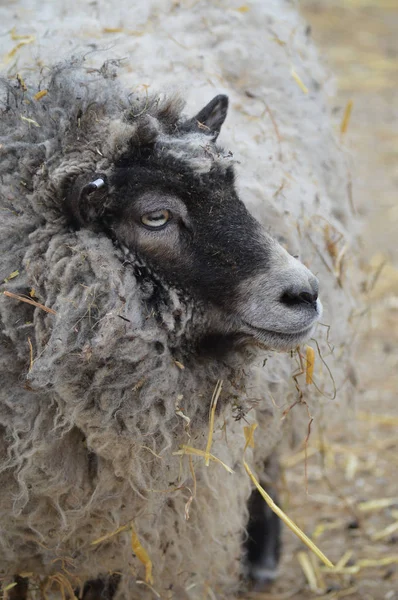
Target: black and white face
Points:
(219, 254)
(179, 211)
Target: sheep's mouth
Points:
(280, 340)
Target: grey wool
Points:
(95, 399)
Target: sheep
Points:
(129, 229)
(100, 396)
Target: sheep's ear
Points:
(85, 200)
(212, 116)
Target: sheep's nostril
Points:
(308, 298)
(292, 298)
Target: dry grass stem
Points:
(299, 81)
(213, 406)
(142, 555)
(195, 451)
(29, 301)
(346, 117)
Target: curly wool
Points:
(88, 430)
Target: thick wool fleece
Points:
(89, 428)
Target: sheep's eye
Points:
(157, 219)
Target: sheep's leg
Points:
(103, 588)
(263, 543)
(19, 591)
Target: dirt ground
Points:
(351, 509)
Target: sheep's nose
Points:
(296, 296)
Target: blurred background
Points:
(352, 477)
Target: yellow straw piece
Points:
(21, 82)
(136, 547)
(15, 36)
(310, 358)
(11, 276)
(363, 564)
(40, 95)
(379, 535)
(12, 53)
(378, 504)
(109, 535)
(376, 418)
(299, 81)
(30, 355)
(213, 406)
(190, 450)
(142, 555)
(112, 30)
(346, 117)
(381, 562)
(248, 431)
(30, 121)
(308, 571)
(344, 559)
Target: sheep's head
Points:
(171, 200)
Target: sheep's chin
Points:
(275, 340)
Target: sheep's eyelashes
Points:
(156, 219)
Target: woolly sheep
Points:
(163, 267)
(122, 372)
